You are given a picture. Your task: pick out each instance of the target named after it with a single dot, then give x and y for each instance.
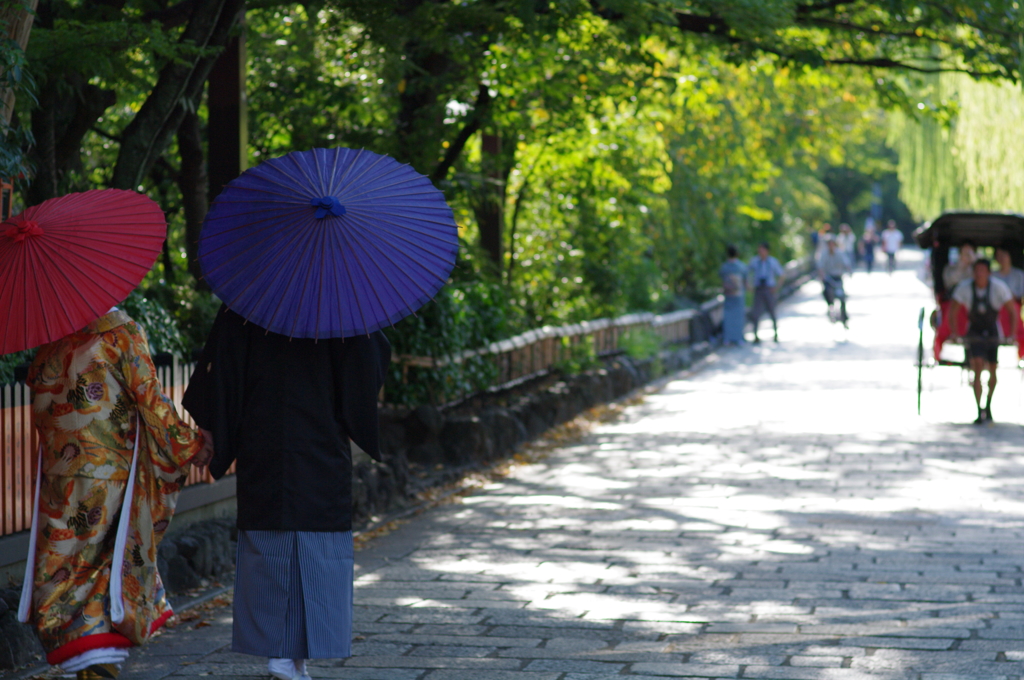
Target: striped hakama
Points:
(293, 594)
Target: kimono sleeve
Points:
(360, 365)
(214, 394)
(176, 442)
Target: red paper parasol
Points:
(66, 261)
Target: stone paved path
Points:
(783, 513)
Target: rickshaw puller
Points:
(983, 297)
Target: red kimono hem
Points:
(84, 644)
(98, 641)
(158, 624)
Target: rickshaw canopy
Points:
(1005, 230)
(983, 229)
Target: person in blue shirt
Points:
(765, 275)
(733, 273)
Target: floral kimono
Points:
(89, 390)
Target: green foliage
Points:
(192, 312)
(640, 343)
(9, 362)
(578, 355)
(158, 323)
(462, 316)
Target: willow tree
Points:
(962, 147)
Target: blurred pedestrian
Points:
(1008, 274)
(284, 410)
(867, 246)
(846, 244)
(113, 455)
(734, 274)
(765, 276)
(962, 269)
(831, 266)
(824, 234)
(892, 241)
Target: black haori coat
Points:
(284, 409)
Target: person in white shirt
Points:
(892, 239)
(983, 297)
(846, 242)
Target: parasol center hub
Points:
(327, 206)
(20, 231)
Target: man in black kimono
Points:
(284, 410)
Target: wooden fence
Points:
(536, 352)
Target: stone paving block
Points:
(533, 618)
(756, 627)
(241, 669)
(960, 676)
(661, 628)
(432, 615)
(378, 649)
(740, 657)
(805, 673)
(958, 661)
(615, 676)
(1002, 633)
(446, 651)
(575, 666)
(447, 674)
(897, 642)
(140, 667)
(362, 673)
(887, 629)
(687, 670)
(446, 629)
(462, 663)
(468, 604)
(457, 640)
(817, 661)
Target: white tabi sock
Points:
(115, 655)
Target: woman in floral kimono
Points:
(91, 390)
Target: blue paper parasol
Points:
(328, 243)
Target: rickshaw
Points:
(950, 231)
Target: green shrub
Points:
(640, 343)
(9, 362)
(464, 315)
(582, 356)
(193, 312)
(161, 328)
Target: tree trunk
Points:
(193, 183)
(496, 161)
(59, 124)
(179, 84)
(44, 183)
(18, 18)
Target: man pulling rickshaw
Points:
(984, 297)
(975, 305)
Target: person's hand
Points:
(205, 455)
